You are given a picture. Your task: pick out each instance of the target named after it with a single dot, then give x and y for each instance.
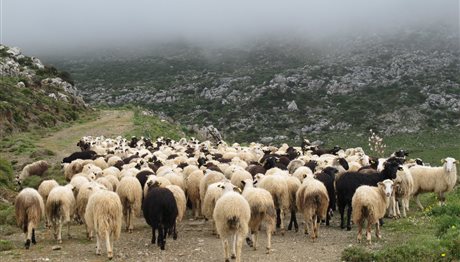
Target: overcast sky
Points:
(39, 25)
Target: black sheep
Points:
(327, 177)
(160, 212)
(347, 184)
(80, 155)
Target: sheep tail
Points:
(365, 212)
(55, 208)
(233, 222)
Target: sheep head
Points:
(386, 186)
(449, 163)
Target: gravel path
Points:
(195, 243)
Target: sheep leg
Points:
(316, 225)
(226, 253)
(442, 199)
(368, 232)
(161, 237)
(234, 246)
(68, 230)
(342, 212)
(349, 217)
(255, 236)
(98, 244)
(249, 239)
(417, 200)
(174, 231)
(282, 221)
(360, 230)
(239, 244)
(398, 211)
(377, 231)
(33, 237)
(59, 234)
(108, 245)
(153, 235)
(28, 236)
(293, 221)
(130, 218)
(278, 219)
(269, 239)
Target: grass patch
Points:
(152, 126)
(7, 215)
(6, 174)
(5, 245)
(429, 235)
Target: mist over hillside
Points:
(277, 89)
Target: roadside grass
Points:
(152, 126)
(429, 145)
(429, 235)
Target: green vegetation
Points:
(429, 235)
(152, 126)
(5, 245)
(6, 174)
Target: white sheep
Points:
(130, 192)
(278, 188)
(402, 191)
(302, 172)
(370, 203)
(312, 200)
(111, 171)
(60, 208)
(192, 184)
(231, 215)
(34, 169)
(294, 164)
(44, 190)
(86, 190)
(210, 177)
(153, 179)
(113, 180)
(103, 216)
(434, 179)
(181, 201)
(29, 209)
(104, 181)
(262, 209)
(238, 176)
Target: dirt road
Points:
(195, 243)
(110, 123)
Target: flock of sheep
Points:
(239, 188)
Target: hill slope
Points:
(280, 90)
(34, 95)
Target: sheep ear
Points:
(456, 161)
(380, 184)
(443, 161)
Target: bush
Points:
(6, 174)
(7, 215)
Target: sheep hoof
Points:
(27, 244)
(233, 256)
(349, 228)
(267, 251)
(110, 255)
(249, 242)
(227, 260)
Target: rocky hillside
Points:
(33, 94)
(281, 90)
